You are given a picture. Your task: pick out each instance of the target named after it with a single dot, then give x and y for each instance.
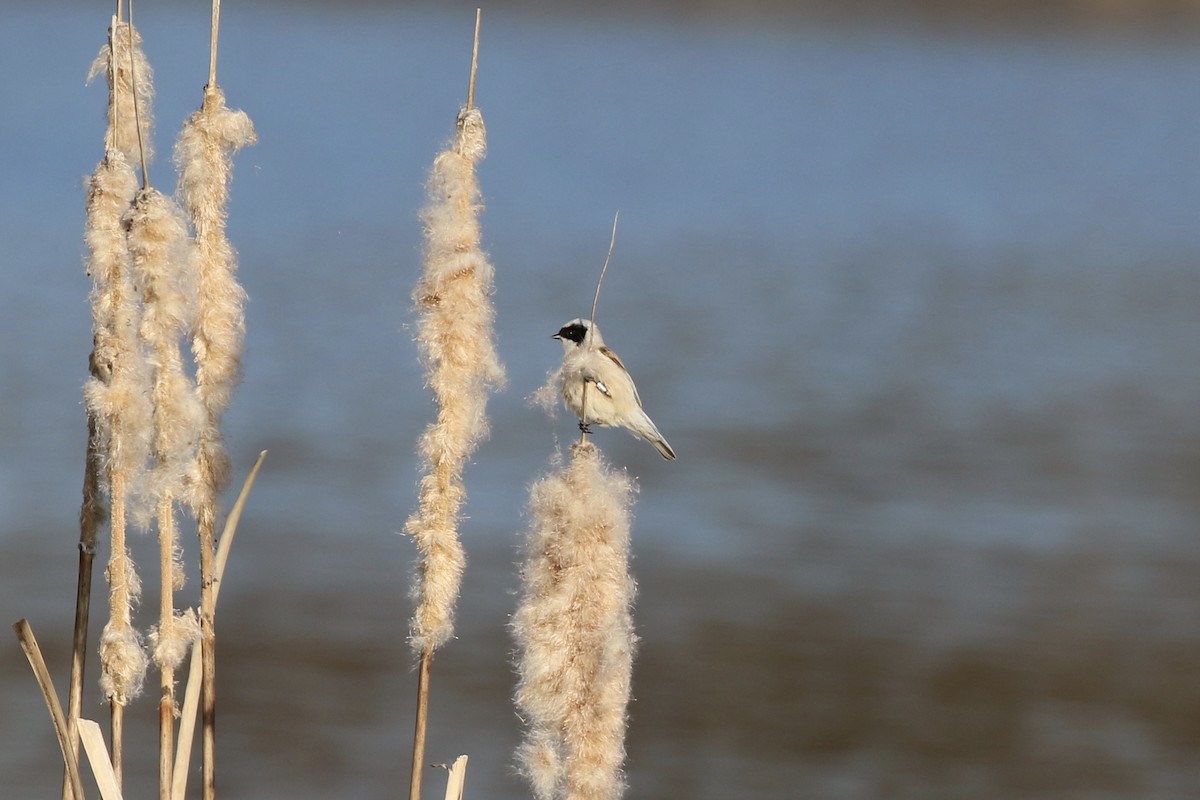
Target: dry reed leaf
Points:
(97, 753)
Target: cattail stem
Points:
(166, 701)
(583, 421)
(212, 43)
(137, 115)
(208, 645)
(422, 718)
(474, 60)
(119, 613)
(90, 515)
(455, 337)
(204, 154)
(166, 735)
(116, 738)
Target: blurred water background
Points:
(916, 304)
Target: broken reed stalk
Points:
(456, 342)
(456, 779)
(34, 653)
(97, 753)
(574, 630)
(204, 159)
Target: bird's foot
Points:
(585, 428)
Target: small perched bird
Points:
(612, 399)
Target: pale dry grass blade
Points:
(97, 753)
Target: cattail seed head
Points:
(457, 344)
(170, 642)
(122, 663)
(574, 630)
(117, 394)
(162, 258)
(204, 159)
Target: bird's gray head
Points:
(575, 332)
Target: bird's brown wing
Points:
(616, 360)
(612, 356)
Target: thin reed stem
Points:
(116, 738)
(136, 111)
(612, 241)
(418, 756)
(91, 513)
(120, 601)
(208, 652)
(166, 700)
(166, 735)
(212, 43)
(474, 60)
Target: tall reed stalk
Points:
(154, 288)
(117, 394)
(110, 191)
(574, 630)
(162, 259)
(204, 159)
(118, 401)
(457, 345)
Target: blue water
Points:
(916, 309)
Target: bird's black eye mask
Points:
(575, 332)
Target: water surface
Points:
(916, 309)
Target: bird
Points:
(610, 397)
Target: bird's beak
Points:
(557, 336)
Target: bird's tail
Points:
(649, 431)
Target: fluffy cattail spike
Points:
(117, 397)
(574, 630)
(162, 258)
(457, 344)
(204, 158)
